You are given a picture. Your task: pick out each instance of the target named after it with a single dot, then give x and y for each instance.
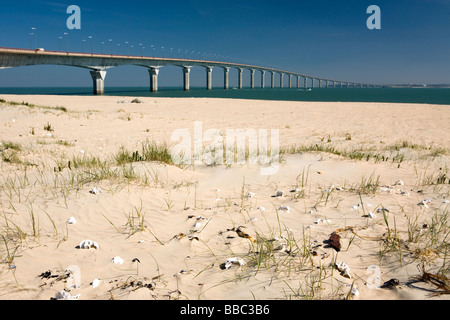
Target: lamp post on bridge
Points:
(67, 41)
(92, 46)
(34, 33)
(110, 46)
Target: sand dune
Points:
(175, 226)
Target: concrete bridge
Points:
(98, 64)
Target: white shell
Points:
(355, 291)
(88, 244)
(96, 190)
(71, 220)
(234, 260)
(63, 295)
(116, 260)
(261, 209)
(344, 269)
(197, 225)
(250, 195)
(280, 193)
(95, 283)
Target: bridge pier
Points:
(281, 80)
(186, 78)
(272, 75)
(240, 78)
(153, 71)
(226, 73)
(298, 81)
(252, 78)
(98, 77)
(209, 78)
(263, 73)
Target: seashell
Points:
(424, 202)
(295, 190)
(250, 195)
(339, 188)
(322, 221)
(227, 264)
(96, 190)
(446, 201)
(82, 151)
(261, 209)
(71, 220)
(252, 219)
(284, 208)
(116, 260)
(88, 244)
(95, 283)
(280, 193)
(399, 183)
(344, 269)
(63, 295)
(371, 215)
(197, 225)
(355, 291)
(355, 207)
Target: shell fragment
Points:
(231, 261)
(88, 244)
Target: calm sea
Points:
(397, 95)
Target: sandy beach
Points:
(358, 207)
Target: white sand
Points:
(189, 266)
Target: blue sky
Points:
(325, 38)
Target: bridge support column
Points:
(153, 78)
(290, 81)
(281, 80)
(226, 73)
(263, 73)
(252, 78)
(272, 76)
(305, 82)
(312, 80)
(240, 78)
(98, 77)
(186, 78)
(298, 81)
(209, 78)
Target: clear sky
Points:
(324, 38)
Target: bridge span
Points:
(98, 64)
